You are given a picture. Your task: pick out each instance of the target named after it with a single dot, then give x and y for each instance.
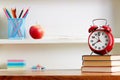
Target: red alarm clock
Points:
(100, 40)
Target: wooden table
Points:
(57, 75)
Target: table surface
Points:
(54, 73)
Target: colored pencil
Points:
(4, 9)
(8, 13)
(25, 14)
(14, 13)
(21, 13)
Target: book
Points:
(99, 57)
(16, 64)
(101, 69)
(101, 63)
(16, 69)
(16, 60)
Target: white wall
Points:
(62, 56)
(58, 18)
(116, 18)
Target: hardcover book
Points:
(101, 69)
(101, 63)
(98, 63)
(97, 57)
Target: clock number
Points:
(93, 36)
(99, 48)
(95, 47)
(93, 44)
(91, 41)
(105, 36)
(98, 33)
(103, 47)
(102, 33)
(106, 44)
(107, 40)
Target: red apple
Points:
(36, 32)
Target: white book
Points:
(101, 69)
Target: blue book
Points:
(16, 64)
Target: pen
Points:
(4, 9)
(14, 13)
(24, 16)
(8, 13)
(21, 13)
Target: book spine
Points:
(16, 61)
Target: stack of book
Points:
(97, 63)
(16, 65)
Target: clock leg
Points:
(107, 52)
(91, 53)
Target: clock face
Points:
(98, 40)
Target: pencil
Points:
(25, 14)
(8, 13)
(14, 13)
(21, 13)
(4, 9)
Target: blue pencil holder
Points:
(16, 28)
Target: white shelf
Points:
(49, 41)
(44, 41)
(117, 40)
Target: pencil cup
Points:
(16, 28)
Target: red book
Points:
(15, 60)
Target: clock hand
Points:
(98, 35)
(96, 38)
(95, 43)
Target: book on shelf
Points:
(98, 63)
(97, 57)
(101, 63)
(14, 64)
(100, 69)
